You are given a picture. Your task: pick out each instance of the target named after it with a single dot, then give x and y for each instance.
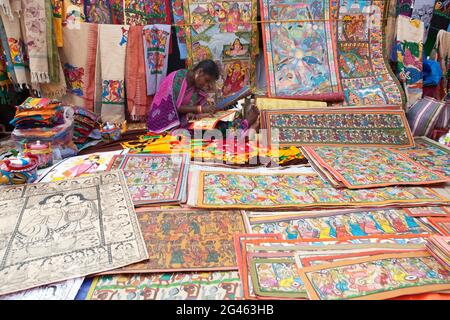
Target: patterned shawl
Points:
(156, 54)
(97, 11)
(36, 34)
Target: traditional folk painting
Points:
(56, 231)
(322, 127)
(187, 240)
(276, 277)
(155, 178)
(376, 277)
(430, 154)
(250, 190)
(365, 76)
(97, 11)
(140, 12)
(65, 290)
(336, 224)
(78, 166)
(223, 31)
(360, 168)
(428, 211)
(168, 286)
(299, 50)
(441, 224)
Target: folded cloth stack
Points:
(45, 120)
(439, 247)
(86, 128)
(38, 113)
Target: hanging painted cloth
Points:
(142, 12)
(36, 39)
(97, 11)
(73, 12)
(409, 56)
(5, 7)
(57, 6)
(17, 50)
(112, 46)
(136, 87)
(156, 54)
(79, 63)
(5, 81)
(8, 60)
(423, 10)
(117, 12)
(440, 21)
(404, 7)
(178, 19)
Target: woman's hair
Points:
(44, 201)
(79, 195)
(209, 67)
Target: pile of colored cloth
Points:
(86, 131)
(214, 151)
(38, 113)
(47, 121)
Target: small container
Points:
(43, 152)
(19, 170)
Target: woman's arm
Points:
(206, 109)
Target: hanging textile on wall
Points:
(136, 88)
(79, 63)
(405, 7)
(36, 41)
(423, 10)
(17, 51)
(300, 56)
(366, 78)
(223, 31)
(9, 66)
(73, 11)
(178, 19)
(112, 52)
(141, 12)
(5, 81)
(57, 6)
(97, 11)
(156, 49)
(391, 26)
(409, 46)
(440, 21)
(117, 11)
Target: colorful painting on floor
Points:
(66, 229)
(182, 240)
(65, 290)
(276, 277)
(300, 55)
(441, 224)
(155, 178)
(332, 224)
(428, 211)
(430, 154)
(376, 277)
(223, 31)
(78, 166)
(166, 286)
(246, 190)
(363, 127)
(366, 78)
(360, 168)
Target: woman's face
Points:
(204, 81)
(73, 199)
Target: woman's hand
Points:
(210, 109)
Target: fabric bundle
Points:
(37, 113)
(112, 44)
(409, 56)
(136, 87)
(156, 54)
(423, 115)
(79, 63)
(86, 128)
